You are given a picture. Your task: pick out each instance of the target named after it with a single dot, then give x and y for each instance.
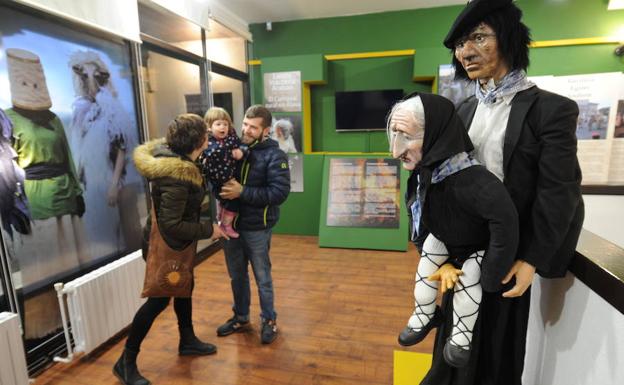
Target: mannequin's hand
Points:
(448, 276)
(524, 272)
(111, 196)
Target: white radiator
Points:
(12, 359)
(101, 303)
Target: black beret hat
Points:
(474, 12)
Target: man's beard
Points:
(247, 139)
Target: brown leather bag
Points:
(168, 272)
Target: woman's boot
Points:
(190, 345)
(126, 370)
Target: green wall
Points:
(300, 45)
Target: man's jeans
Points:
(251, 246)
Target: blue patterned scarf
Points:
(449, 167)
(512, 83)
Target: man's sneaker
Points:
(232, 325)
(269, 331)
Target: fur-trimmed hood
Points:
(155, 160)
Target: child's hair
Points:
(218, 113)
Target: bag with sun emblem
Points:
(168, 272)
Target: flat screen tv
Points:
(364, 110)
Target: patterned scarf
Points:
(449, 167)
(512, 83)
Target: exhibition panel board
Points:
(362, 203)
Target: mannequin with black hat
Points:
(465, 207)
(526, 137)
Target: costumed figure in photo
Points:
(13, 202)
(220, 162)
(57, 243)
(282, 133)
(466, 211)
(527, 138)
(100, 142)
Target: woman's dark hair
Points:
(186, 133)
(513, 38)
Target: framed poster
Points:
(362, 204)
(286, 130)
(282, 91)
(364, 193)
(600, 127)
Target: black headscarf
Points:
(445, 136)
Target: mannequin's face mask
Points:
(406, 138)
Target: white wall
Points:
(575, 337)
(604, 216)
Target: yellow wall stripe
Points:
(567, 42)
(307, 119)
(368, 55)
(254, 62)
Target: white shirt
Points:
(487, 132)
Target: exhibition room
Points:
(312, 192)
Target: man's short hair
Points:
(512, 35)
(186, 133)
(260, 111)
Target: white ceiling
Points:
(260, 11)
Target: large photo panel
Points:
(69, 126)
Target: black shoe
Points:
(232, 325)
(268, 333)
(126, 371)
(454, 355)
(190, 345)
(409, 336)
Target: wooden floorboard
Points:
(339, 314)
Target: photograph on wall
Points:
(295, 163)
(282, 91)
(286, 131)
(454, 90)
(364, 193)
(69, 116)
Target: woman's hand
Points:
(218, 233)
(448, 276)
(524, 272)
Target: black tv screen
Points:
(364, 110)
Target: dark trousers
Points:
(145, 316)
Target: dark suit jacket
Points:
(542, 175)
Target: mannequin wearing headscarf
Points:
(467, 211)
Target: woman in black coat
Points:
(465, 210)
(177, 191)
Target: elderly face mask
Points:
(406, 138)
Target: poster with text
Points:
(282, 91)
(364, 193)
(598, 98)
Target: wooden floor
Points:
(339, 314)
